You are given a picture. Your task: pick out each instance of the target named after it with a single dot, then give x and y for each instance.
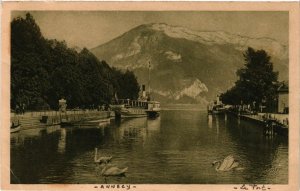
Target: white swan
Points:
(101, 159)
(113, 171)
(229, 163)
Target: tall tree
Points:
(29, 80)
(257, 80)
(43, 71)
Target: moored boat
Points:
(136, 108)
(153, 109)
(142, 107)
(15, 127)
(129, 108)
(216, 107)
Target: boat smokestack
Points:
(144, 91)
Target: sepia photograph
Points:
(122, 98)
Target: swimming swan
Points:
(101, 159)
(229, 163)
(113, 171)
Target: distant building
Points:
(283, 98)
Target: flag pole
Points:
(149, 78)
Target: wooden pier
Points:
(272, 123)
(31, 120)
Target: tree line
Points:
(44, 71)
(257, 83)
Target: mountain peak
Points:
(185, 62)
(221, 38)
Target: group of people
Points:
(268, 116)
(20, 108)
(104, 107)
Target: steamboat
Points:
(216, 107)
(142, 107)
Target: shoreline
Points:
(32, 120)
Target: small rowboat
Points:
(15, 128)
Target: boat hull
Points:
(153, 114)
(133, 113)
(95, 123)
(135, 109)
(218, 112)
(15, 129)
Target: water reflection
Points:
(257, 151)
(153, 124)
(133, 129)
(217, 124)
(29, 135)
(209, 123)
(62, 141)
(52, 129)
(178, 147)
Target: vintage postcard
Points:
(150, 96)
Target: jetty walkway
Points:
(37, 119)
(263, 117)
(271, 122)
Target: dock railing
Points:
(132, 103)
(279, 117)
(53, 113)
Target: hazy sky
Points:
(92, 28)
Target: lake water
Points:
(178, 147)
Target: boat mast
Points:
(149, 79)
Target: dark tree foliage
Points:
(128, 85)
(257, 81)
(44, 71)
